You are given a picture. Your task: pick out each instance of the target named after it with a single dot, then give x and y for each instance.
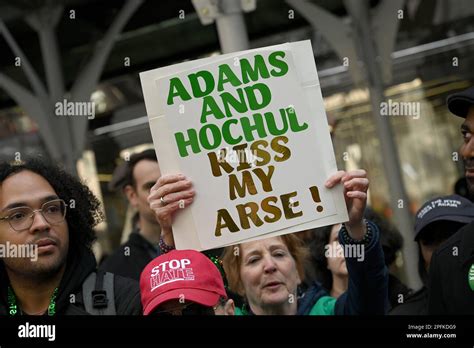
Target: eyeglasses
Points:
(21, 218)
(187, 309)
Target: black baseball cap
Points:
(459, 103)
(446, 208)
(119, 178)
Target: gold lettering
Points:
(262, 154)
(265, 179)
(247, 185)
(281, 149)
(219, 162)
(271, 209)
(224, 220)
(245, 215)
(240, 149)
(287, 208)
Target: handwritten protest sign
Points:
(249, 129)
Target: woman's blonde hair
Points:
(232, 261)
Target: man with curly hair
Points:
(45, 208)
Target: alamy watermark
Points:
(22, 251)
(28, 330)
(394, 108)
(232, 156)
(335, 249)
(69, 108)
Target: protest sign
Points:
(249, 129)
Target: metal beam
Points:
(399, 202)
(228, 15)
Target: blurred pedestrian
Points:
(330, 269)
(392, 244)
(129, 260)
(436, 221)
(452, 266)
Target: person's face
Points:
(432, 236)
(268, 273)
(146, 173)
(467, 148)
(427, 251)
(177, 307)
(28, 189)
(336, 263)
(225, 309)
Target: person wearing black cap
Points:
(451, 283)
(436, 221)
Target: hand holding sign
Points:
(356, 185)
(170, 193)
(253, 136)
(177, 189)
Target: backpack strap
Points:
(98, 293)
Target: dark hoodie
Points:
(415, 303)
(127, 291)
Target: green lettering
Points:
(238, 105)
(280, 64)
(250, 73)
(209, 83)
(294, 126)
(227, 75)
(177, 89)
(210, 107)
(271, 124)
(216, 136)
(248, 128)
(226, 132)
(183, 143)
(265, 96)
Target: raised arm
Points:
(367, 292)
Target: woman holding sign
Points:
(267, 272)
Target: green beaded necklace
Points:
(13, 307)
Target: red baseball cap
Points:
(181, 274)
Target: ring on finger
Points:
(163, 201)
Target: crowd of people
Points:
(294, 274)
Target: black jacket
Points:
(395, 289)
(449, 290)
(130, 259)
(127, 292)
(415, 304)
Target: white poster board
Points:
(249, 129)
